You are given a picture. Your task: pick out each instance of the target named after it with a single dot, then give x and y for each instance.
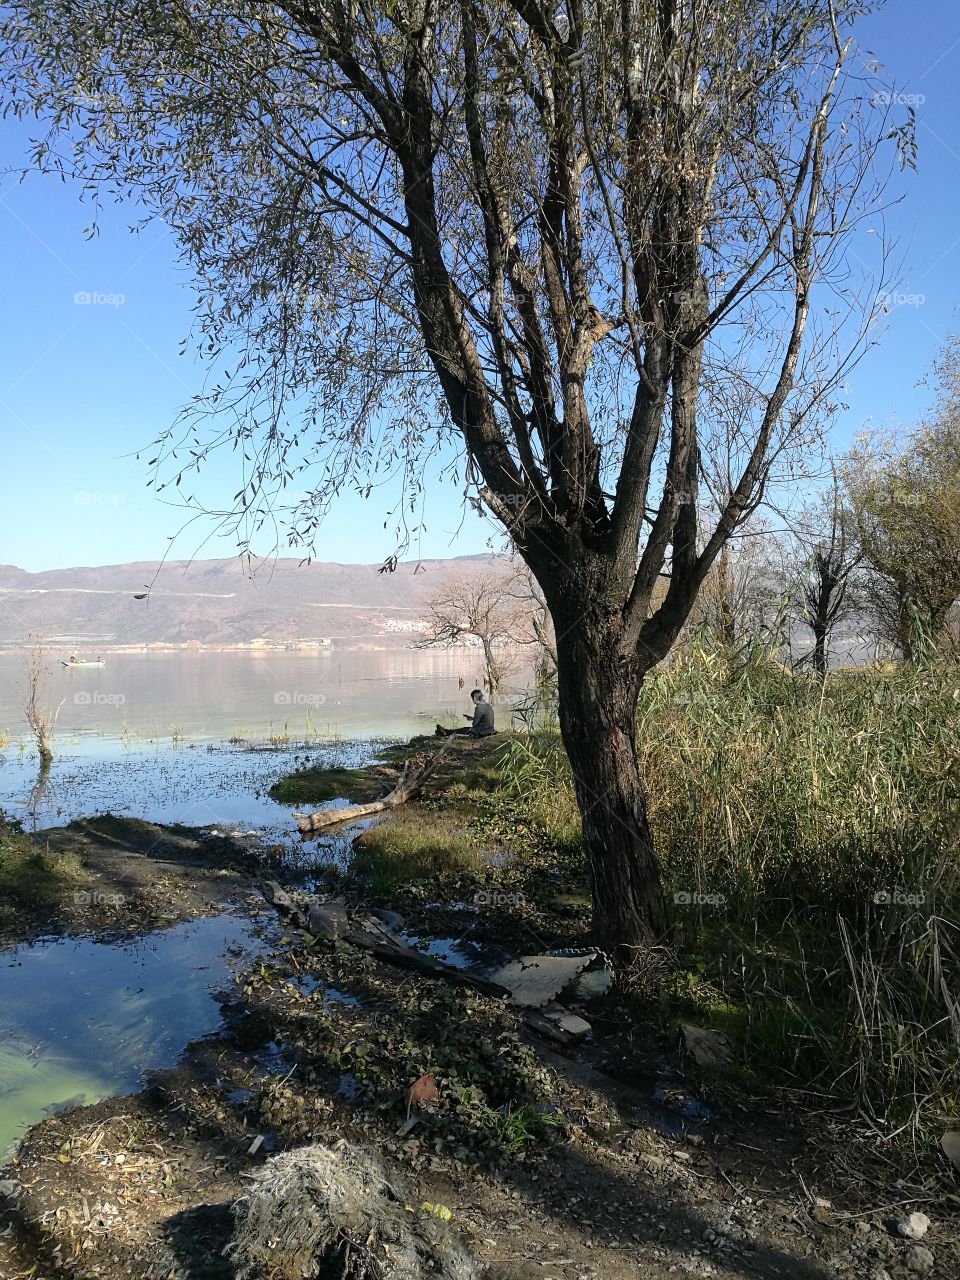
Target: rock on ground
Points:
(914, 1226)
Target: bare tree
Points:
(825, 562)
(475, 606)
(39, 715)
(904, 503)
(738, 602)
(560, 234)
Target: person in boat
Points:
(481, 719)
(74, 659)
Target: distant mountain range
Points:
(219, 604)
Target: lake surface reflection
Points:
(82, 1020)
(210, 696)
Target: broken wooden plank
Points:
(329, 920)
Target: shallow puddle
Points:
(82, 1020)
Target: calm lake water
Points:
(168, 737)
(212, 696)
(81, 1020)
(150, 736)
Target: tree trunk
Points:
(493, 676)
(597, 711)
(820, 648)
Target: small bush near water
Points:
(808, 839)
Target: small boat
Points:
(82, 662)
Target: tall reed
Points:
(808, 838)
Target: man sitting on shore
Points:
(481, 725)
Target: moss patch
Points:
(316, 784)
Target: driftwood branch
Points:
(415, 773)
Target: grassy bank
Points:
(33, 878)
(808, 838)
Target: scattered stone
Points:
(328, 919)
(9, 1189)
(322, 1211)
(392, 919)
(820, 1213)
(279, 898)
(919, 1260)
(914, 1226)
(950, 1142)
(708, 1048)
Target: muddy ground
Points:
(615, 1158)
(126, 875)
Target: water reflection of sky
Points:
(222, 786)
(81, 1020)
(213, 697)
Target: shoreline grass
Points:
(33, 878)
(808, 836)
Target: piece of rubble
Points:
(328, 919)
(920, 1260)
(572, 1023)
(533, 981)
(278, 897)
(950, 1143)
(914, 1226)
(708, 1048)
(392, 919)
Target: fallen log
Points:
(414, 774)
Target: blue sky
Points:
(83, 387)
